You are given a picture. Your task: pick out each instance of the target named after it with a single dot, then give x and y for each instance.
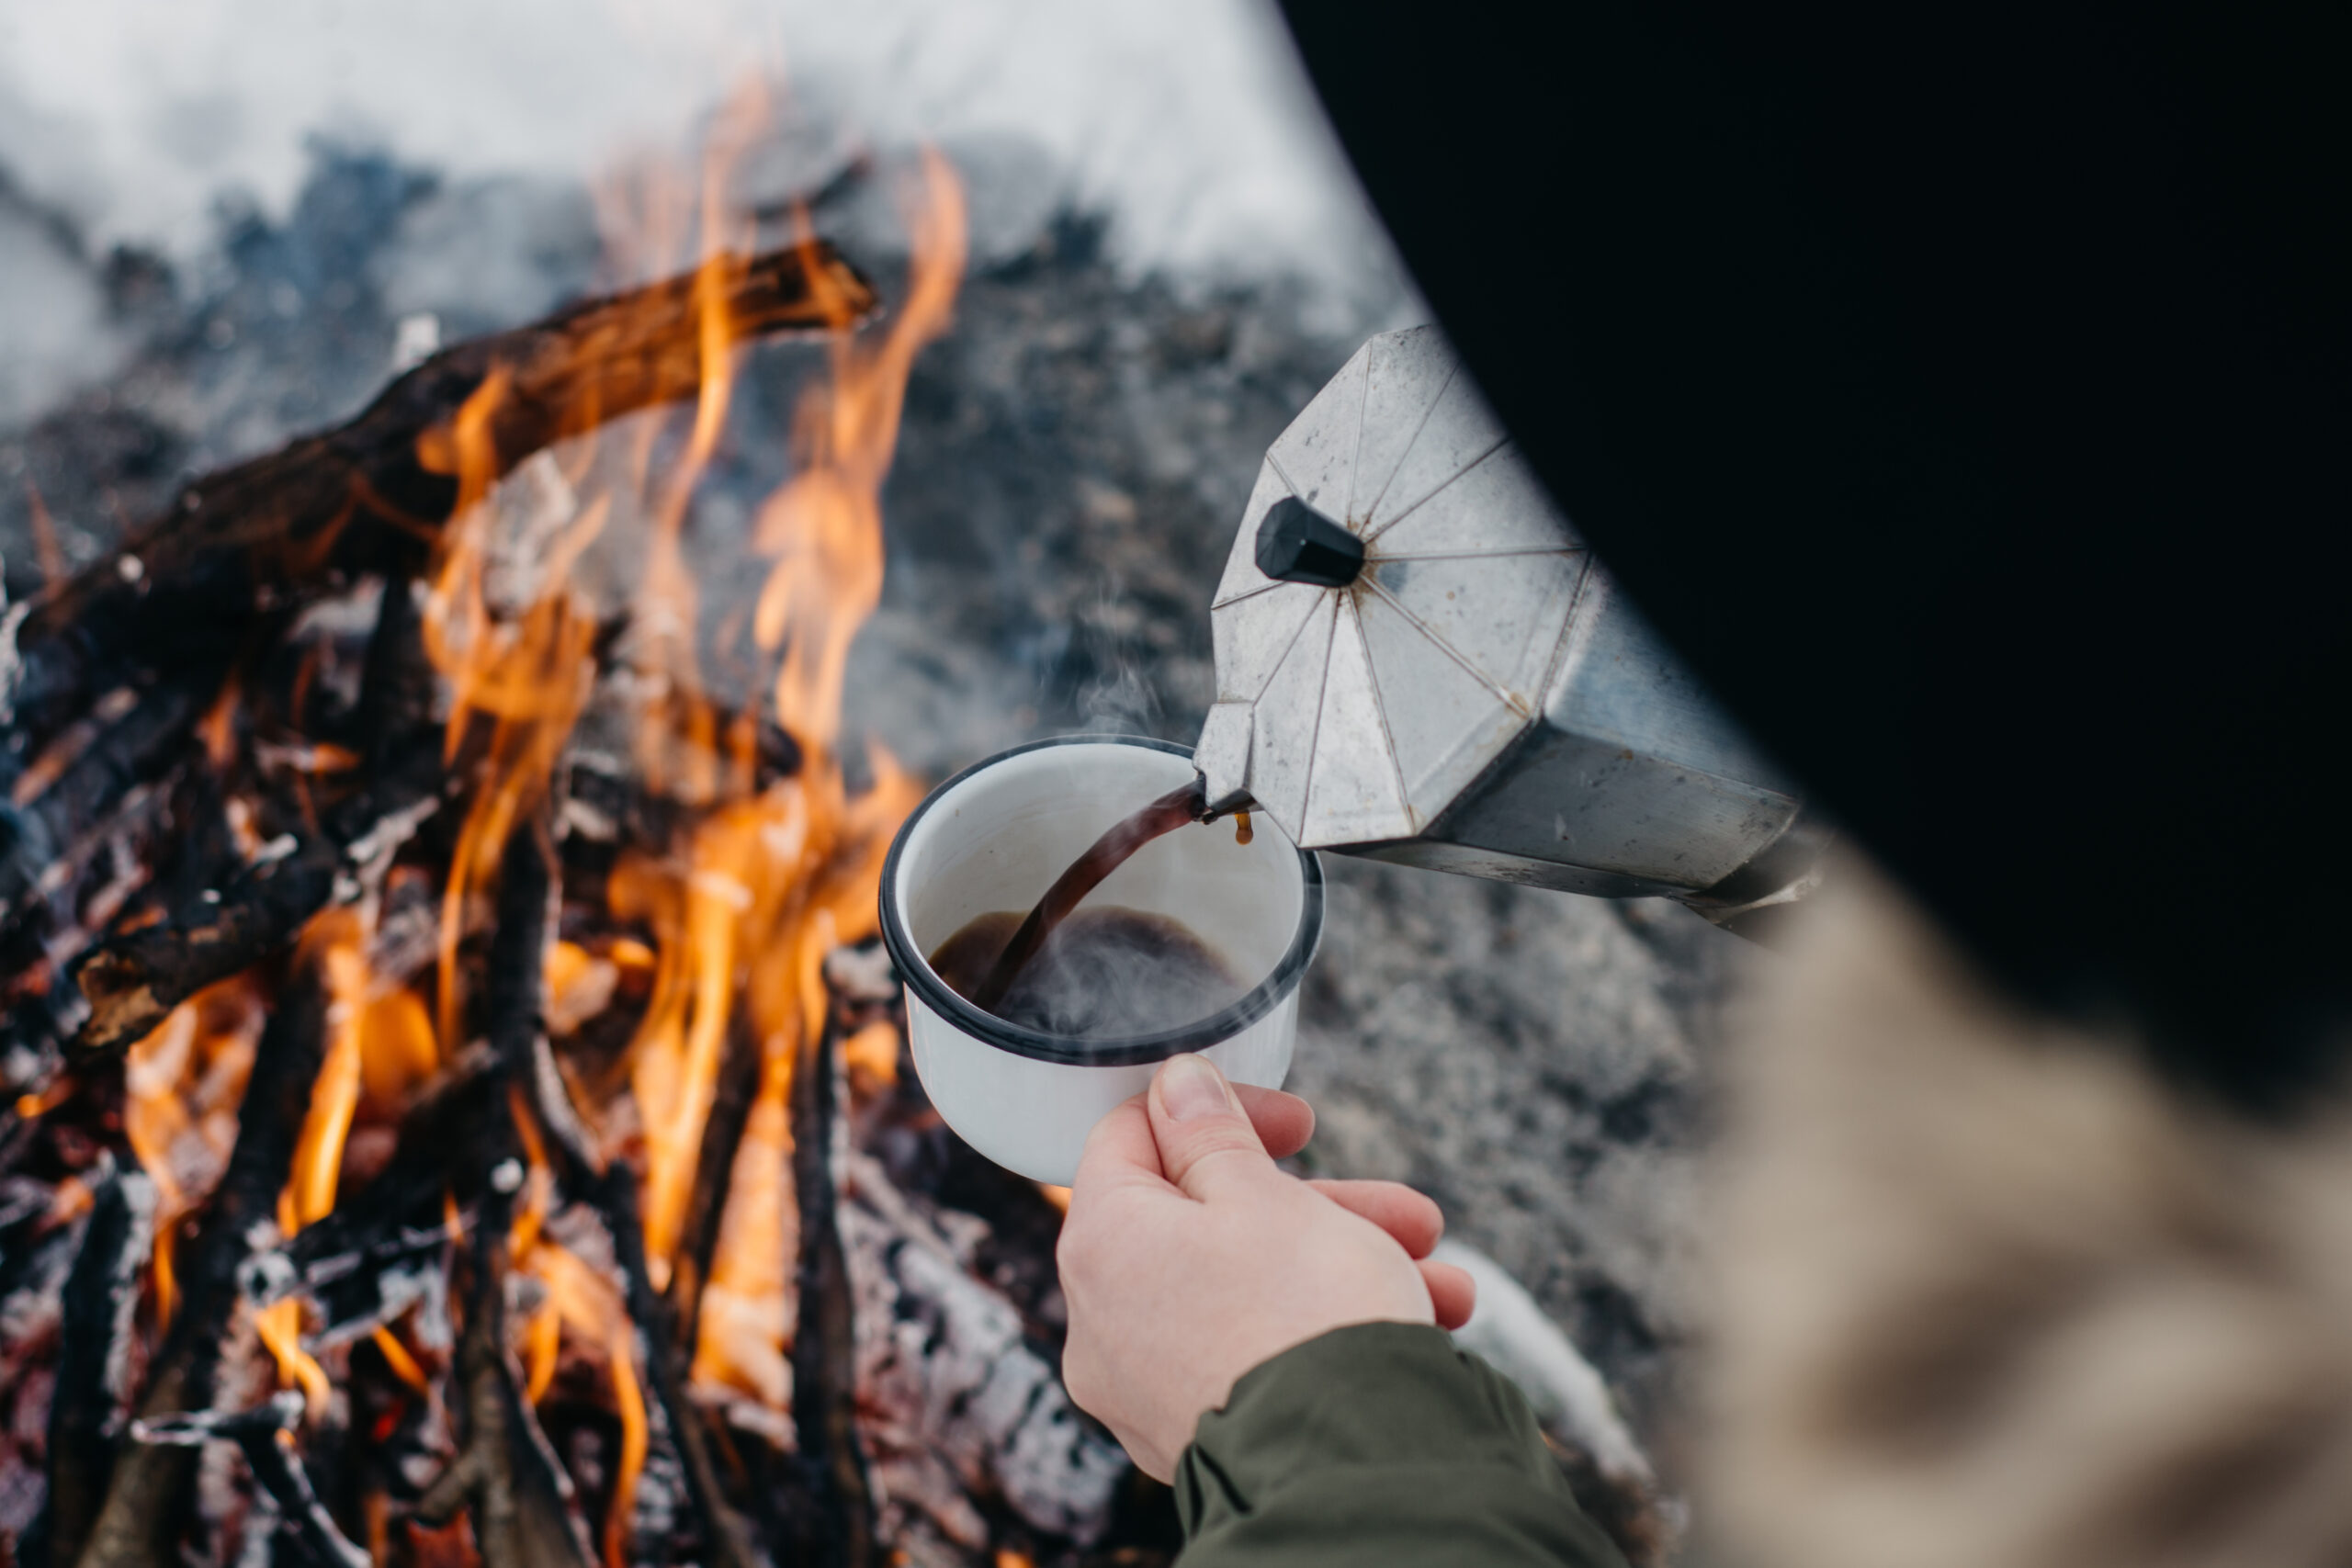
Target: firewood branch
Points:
(266, 531)
(101, 1295)
(518, 961)
(824, 1346)
(265, 1436)
(505, 1476)
(134, 1525)
(131, 982)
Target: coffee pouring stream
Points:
(1417, 661)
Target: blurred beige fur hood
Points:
(1991, 1296)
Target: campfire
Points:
(459, 1109)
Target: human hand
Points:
(1188, 1257)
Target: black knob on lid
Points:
(1298, 544)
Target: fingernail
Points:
(1190, 1087)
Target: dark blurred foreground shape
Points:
(1964, 390)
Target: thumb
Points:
(1206, 1144)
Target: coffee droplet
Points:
(1242, 833)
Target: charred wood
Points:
(240, 917)
(61, 800)
(132, 982)
(722, 1140)
(529, 901)
(528, 896)
(667, 1363)
(838, 1529)
(306, 1533)
(607, 803)
(144, 1497)
(273, 530)
(507, 1476)
(384, 1247)
(100, 1298)
(166, 841)
(607, 807)
(17, 1132)
(66, 902)
(396, 679)
(961, 1405)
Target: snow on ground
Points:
(1188, 120)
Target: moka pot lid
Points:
(1427, 583)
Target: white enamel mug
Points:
(995, 837)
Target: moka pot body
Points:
(1419, 661)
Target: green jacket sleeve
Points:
(1379, 1443)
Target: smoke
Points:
(1193, 125)
(1111, 973)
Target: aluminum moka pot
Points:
(1417, 661)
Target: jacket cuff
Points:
(1370, 1420)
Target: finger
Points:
(1206, 1144)
(1408, 1215)
(1454, 1295)
(1285, 1122)
(1120, 1153)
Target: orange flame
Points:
(44, 528)
(872, 1054)
(379, 1047)
(529, 676)
(770, 883)
(823, 530)
(590, 1304)
(182, 1087)
(333, 943)
(742, 913)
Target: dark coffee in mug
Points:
(1103, 974)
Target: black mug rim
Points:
(914, 969)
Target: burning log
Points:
(515, 1008)
(383, 1247)
(266, 531)
(133, 981)
(722, 1140)
(507, 1476)
(143, 1510)
(724, 1533)
(265, 1436)
(839, 1528)
(101, 1295)
(518, 965)
(159, 623)
(668, 1321)
(82, 833)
